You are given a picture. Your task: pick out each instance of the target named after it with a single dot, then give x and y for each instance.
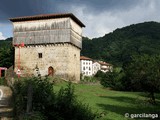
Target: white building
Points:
(86, 66)
(105, 67)
(90, 67)
(96, 67)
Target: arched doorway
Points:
(50, 71)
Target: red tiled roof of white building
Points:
(85, 58)
(104, 63)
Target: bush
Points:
(108, 80)
(89, 79)
(33, 116)
(47, 105)
(114, 80)
(42, 95)
(71, 108)
(100, 74)
(3, 81)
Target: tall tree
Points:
(6, 53)
(144, 73)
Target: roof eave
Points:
(47, 16)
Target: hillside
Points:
(5, 43)
(117, 47)
(6, 53)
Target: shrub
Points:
(47, 105)
(42, 95)
(33, 116)
(108, 80)
(88, 79)
(114, 80)
(3, 81)
(71, 108)
(100, 74)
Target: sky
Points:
(99, 16)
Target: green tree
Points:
(115, 79)
(6, 53)
(144, 73)
(118, 47)
(47, 104)
(7, 56)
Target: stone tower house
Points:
(52, 45)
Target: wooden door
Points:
(50, 71)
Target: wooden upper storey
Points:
(47, 29)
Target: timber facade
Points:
(52, 45)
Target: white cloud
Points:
(100, 17)
(1, 36)
(98, 24)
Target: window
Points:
(89, 68)
(39, 55)
(83, 68)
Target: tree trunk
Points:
(29, 99)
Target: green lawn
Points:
(113, 104)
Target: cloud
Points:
(16, 8)
(99, 24)
(100, 17)
(1, 36)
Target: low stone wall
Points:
(6, 108)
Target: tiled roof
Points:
(104, 63)
(85, 58)
(47, 16)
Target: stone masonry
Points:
(51, 45)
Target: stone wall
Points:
(64, 58)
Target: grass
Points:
(112, 105)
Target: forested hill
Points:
(6, 53)
(5, 43)
(117, 47)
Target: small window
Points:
(40, 55)
(83, 68)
